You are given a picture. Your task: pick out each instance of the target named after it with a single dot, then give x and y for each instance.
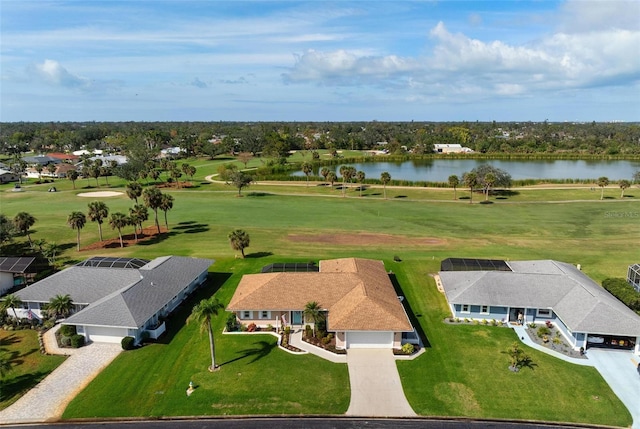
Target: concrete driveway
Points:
(618, 368)
(48, 399)
(376, 390)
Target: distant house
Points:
(7, 176)
(15, 271)
(357, 295)
(118, 297)
(540, 291)
(633, 276)
(40, 160)
(64, 157)
(450, 148)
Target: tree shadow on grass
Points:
(262, 349)
(156, 239)
(258, 255)
(400, 196)
(628, 196)
(176, 320)
(13, 387)
(10, 340)
(259, 194)
(413, 317)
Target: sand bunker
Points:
(100, 194)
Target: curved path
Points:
(47, 401)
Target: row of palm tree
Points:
(348, 173)
(98, 212)
(58, 306)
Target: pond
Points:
(439, 170)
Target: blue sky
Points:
(319, 61)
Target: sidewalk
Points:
(47, 401)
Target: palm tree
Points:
(313, 311)
(347, 172)
(324, 173)
(331, 177)
(60, 305)
(489, 181)
(360, 178)
(23, 221)
(202, 314)
(603, 182)
(166, 204)
(11, 301)
(50, 251)
(51, 168)
(385, 178)
(134, 190)
(624, 184)
(73, 176)
(152, 199)
(239, 240)
(138, 214)
(307, 168)
(39, 169)
(77, 221)
(470, 179)
(118, 221)
(454, 182)
(98, 211)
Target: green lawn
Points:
(28, 365)
(256, 378)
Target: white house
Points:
(118, 297)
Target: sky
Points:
(154, 60)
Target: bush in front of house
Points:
(543, 331)
(128, 343)
(68, 330)
(77, 341)
(408, 348)
(232, 323)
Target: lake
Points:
(439, 170)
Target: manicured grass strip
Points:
(28, 365)
(464, 371)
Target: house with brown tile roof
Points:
(361, 305)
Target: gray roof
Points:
(578, 301)
(123, 297)
(41, 159)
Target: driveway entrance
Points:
(376, 390)
(619, 369)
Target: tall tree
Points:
(470, 180)
(360, 176)
(73, 176)
(307, 168)
(7, 229)
(454, 182)
(138, 214)
(153, 198)
(385, 178)
(603, 182)
(488, 181)
(239, 240)
(313, 311)
(77, 220)
(98, 212)
(239, 179)
(134, 191)
(11, 301)
(245, 157)
(324, 173)
(202, 314)
(166, 204)
(39, 169)
(331, 177)
(51, 169)
(347, 172)
(60, 306)
(624, 184)
(51, 251)
(23, 222)
(118, 221)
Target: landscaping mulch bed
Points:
(148, 234)
(560, 346)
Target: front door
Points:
(296, 318)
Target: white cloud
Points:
(589, 16)
(54, 73)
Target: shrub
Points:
(542, 331)
(65, 341)
(270, 327)
(243, 328)
(287, 330)
(494, 322)
(252, 327)
(128, 343)
(67, 330)
(397, 258)
(326, 340)
(77, 341)
(622, 290)
(475, 322)
(485, 322)
(232, 322)
(408, 348)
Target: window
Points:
(246, 314)
(264, 314)
(484, 309)
(544, 312)
(465, 308)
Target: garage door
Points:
(369, 340)
(99, 334)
